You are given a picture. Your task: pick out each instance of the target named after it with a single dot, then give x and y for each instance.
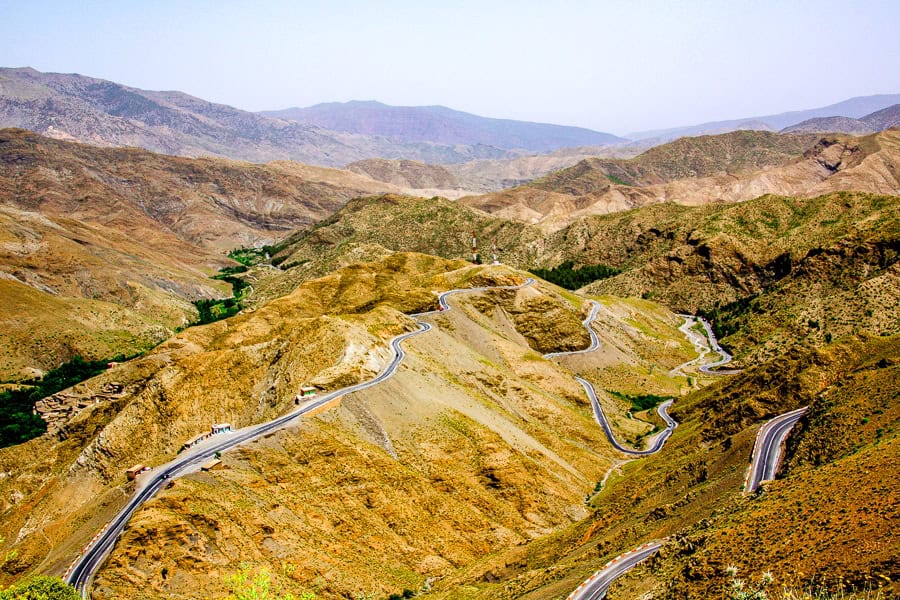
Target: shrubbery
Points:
(40, 588)
(640, 402)
(17, 422)
(567, 276)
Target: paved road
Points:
(713, 367)
(82, 571)
(767, 450)
(658, 440)
(597, 585)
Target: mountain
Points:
(854, 107)
(104, 249)
(871, 123)
(832, 495)
(441, 125)
(104, 113)
(763, 269)
(692, 170)
(476, 437)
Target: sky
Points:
(616, 66)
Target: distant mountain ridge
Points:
(872, 123)
(105, 113)
(856, 108)
(441, 125)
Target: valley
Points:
(448, 379)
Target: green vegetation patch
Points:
(211, 310)
(18, 423)
(250, 256)
(640, 402)
(567, 276)
(618, 180)
(40, 588)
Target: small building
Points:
(210, 464)
(134, 471)
(307, 391)
(221, 428)
(194, 441)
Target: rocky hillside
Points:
(772, 271)
(441, 125)
(370, 228)
(484, 176)
(134, 237)
(872, 123)
(104, 113)
(730, 168)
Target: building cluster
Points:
(215, 429)
(57, 409)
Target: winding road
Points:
(597, 585)
(768, 450)
(595, 339)
(658, 440)
(725, 358)
(83, 569)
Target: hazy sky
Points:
(614, 66)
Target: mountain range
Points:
(730, 167)
(871, 123)
(854, 107)
(442, 125)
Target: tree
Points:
(40, 588)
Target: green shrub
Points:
(40, 588)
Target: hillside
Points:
(695, 171)
(477, 437)
(772, 272)
(484, 176)
(441, 125)
(821, 523)
(872, 123)
(373, 227)
(105, 113)
(406, 173)
(854, 107)
(133, 236)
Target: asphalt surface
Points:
(713, 367)
(83, 570)
(658, 440)
(767, 451)
(598, 584)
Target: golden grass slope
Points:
(478, 445)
